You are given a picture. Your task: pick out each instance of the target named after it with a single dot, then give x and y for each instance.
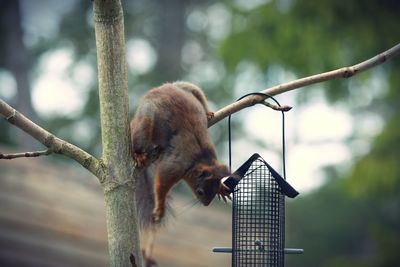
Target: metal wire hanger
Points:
(283, 131)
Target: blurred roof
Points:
(53, 215)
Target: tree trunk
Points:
(118, 182)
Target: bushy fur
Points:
(170, 138)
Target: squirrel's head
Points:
(205, 181)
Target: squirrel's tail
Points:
(145, 200)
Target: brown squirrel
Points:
(171, 141)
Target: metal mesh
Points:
(258, 219)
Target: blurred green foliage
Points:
(352, 220)
(310, 37)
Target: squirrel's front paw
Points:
(210, 115)
(140, 159)
(224, 192)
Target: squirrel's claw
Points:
(224, 197)
(157, 216)
(156, 219)
(210, 115)
(225, 188)
(140, 159)
(224, 193)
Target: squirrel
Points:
(170, 141)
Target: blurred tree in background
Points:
(162, 45)
(354, 218)
(18, 64)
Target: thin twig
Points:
(345, 72)
(52, 142)
(26, 154)
(283, 108)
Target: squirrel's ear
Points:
(221, 170)
(200, 171)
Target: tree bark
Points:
(118, 182)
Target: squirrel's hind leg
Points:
(144, 149)
(164, 179)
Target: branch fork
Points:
(53, 143)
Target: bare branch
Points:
(53, 143)
(26, 154)
(345, 72)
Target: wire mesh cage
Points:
(259, 216)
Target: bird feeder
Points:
(258, 214)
